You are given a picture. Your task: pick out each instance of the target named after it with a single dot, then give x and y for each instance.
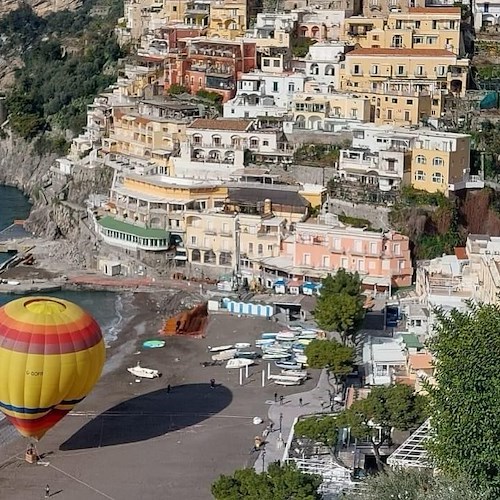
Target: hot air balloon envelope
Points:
(51, 355)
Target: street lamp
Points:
(263, 460)
(281, 421)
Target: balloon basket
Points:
(31, 455)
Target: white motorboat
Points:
(140, 371)
(285, 336)
(224, 355)
(286, 380)
(295, 373)
(276, 355)
(264, 342)
(288, 365)
(242, 345)
(238, 363)
(301, 358)
(267, 336)
(221, 348)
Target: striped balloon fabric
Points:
(51, 356)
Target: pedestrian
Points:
(212, 383)
(281, 400)
(271, 426)
(168, 389)
(300, 402)
(275, 397)
(47, 491)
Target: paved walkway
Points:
(290, 410)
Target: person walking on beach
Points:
(300, 402)
(47, 491)
(168, 389)
(212, 383)
(281, 400)
(275, 397)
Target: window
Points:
(409, 101)
(419, 71)
(486, 8)
(260, 249)
(291, 87)
(197, 139)
(325, 261)
(437, 162)
(356, 70)
(397, 249)
(417, 24)
(434, 25)
(394, 100)
(314, 70)
(250, 248)
(441, 70)
(265, 62)
(225, 228)
(421, 160)
(193, 240)
(354, 113)
(216, 140)
(306, 259)
(336, 244)
(397, 41)
(401, 70)
(374, 70)
(407, 116)
(269, 248)
(276, 63)
(344, 264)
(401, 265)
(275, 86)
(174, 8)
(420, 175)
(437, 178)
(361, 265)
(373, 248)
(431, 40)
(265, 143)
(207, 243)
(418, 40)
(389, 114)
(375, 38)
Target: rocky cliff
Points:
(41, 7)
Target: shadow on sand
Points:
(151, 415)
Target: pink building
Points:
(380, 258)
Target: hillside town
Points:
(257, 150)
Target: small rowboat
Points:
(221, 348)
(242, 345)
(153, 344)
(238, 363)
(139, 371)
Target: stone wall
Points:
(303, 174)
(377, 215)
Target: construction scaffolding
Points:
(412, 452)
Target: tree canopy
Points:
(280, 482)
(415, 484)
(330, 354)
(385, 408)
(465, 401)
(340, 305)
(320, 428)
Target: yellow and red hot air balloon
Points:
(51, 355)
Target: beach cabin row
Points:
(282, 286)
(248, 308)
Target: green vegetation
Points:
(177, 89)
(486, 145)
(319, 428)
(280, 482)
(354, 221)
(340, 305)
(430, 220)
(385, 408)
(214, 97)
(465, 401)
(300, 46)
(415, 484)
(319, 155)
(68, 57)
(330, 354)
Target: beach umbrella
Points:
(51, 355)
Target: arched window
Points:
(303, 31)
(195, 256)
(315, 32)
(197, 139)
(397, 41)
(438, 178)
(254, 143)
(314, 69)
(437, 162)
(216, 140)
(421, 160)
(329, 70)
(420, 175)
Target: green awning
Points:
(411, 341)
(126, 228)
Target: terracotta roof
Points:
(434, 10)
(461, 253)
(224, 124)
(401, 52)
(421, 361)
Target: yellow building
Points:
(419, 28)
(438, 159)
(313, 111)
(145, 136)
(228, 19)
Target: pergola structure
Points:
(412, 452)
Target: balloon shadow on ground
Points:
(151, 415)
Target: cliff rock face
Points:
(41, 7)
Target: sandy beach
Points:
(131, 440)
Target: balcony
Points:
(226, 233)
(210, 232)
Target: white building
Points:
(215, 149)
(486, 13)
(264, 94)
(323, 63)
(382, 357)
